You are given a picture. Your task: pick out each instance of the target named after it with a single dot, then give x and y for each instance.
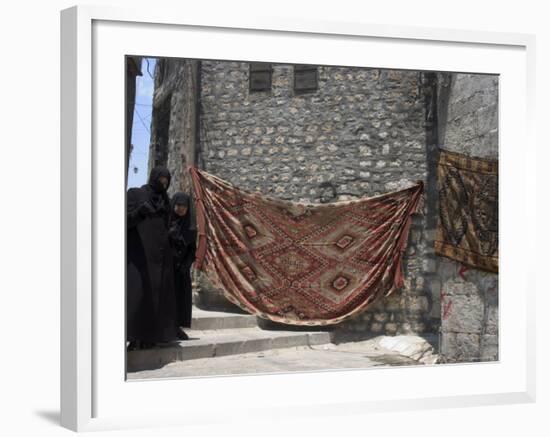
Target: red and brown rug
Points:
(296, 263)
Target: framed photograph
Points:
(290, 217)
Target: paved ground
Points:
(352, 355)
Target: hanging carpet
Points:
(467, 229)
(298, 263)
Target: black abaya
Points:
(183, 242)
(151, 300)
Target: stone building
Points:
(329, 133)
(468, 123)
(133, 69)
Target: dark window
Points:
(259, 76)
(305, 78)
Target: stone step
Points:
(208, 320)
(222, 342)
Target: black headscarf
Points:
(156, 173)
(158, 196)
(183, 228)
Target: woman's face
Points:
(164, 181)
(180, 210)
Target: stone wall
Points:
(166, 122)
(468, 120)
(361, 133)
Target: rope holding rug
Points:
(301, 263)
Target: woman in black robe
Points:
(183, 236)
(150, 311)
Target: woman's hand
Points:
(147, 208)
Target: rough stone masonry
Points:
(468, 113)
(360, 132)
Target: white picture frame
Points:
(94, 393)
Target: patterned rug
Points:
(298, 263)
(467, 229)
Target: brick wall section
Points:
(469, 302)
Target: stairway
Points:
(215, 334)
